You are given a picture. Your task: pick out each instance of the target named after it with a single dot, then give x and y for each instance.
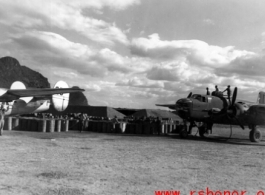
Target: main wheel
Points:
(202, 131)
(255, 135)
(184, 133)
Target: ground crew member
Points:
(228, 93)
(83, 120)
(207, 91)
(114, 122)
(2, 119)
(216, 88)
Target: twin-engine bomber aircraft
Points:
(209, 109)
(19, 100)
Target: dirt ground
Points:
(73, 163)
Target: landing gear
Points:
(205, 129)
(255, 134)
(202, 130)
(184, 132)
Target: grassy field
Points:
(74, 163)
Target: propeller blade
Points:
(234, 96)
(239, 123)
(190, 94)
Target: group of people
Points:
(218, 93)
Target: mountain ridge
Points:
(11, 71)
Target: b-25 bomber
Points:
(205, 110)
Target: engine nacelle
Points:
(60, 101)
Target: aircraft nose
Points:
(183, 107)
(184, 103)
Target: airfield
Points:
(74, 163)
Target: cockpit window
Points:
(199, 97)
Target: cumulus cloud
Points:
(51, 49)
(194, 51)
(208, 22)
(245, 66)
(67, 16)
(188, 65)
(141, 83)
(92, 87)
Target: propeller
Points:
(234, 96)
(190, 94)
(231, 111)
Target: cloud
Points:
(67, 16)
(208, 22)
(141, 83)
(194, 51)
(245, 66)
(92, 87)
(52, 49)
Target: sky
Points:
(138, 53)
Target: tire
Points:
(202, 131)
(255, 135)
(184, 133)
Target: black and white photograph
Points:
(132, 97)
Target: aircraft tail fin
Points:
(261, 98)
(20, 85)
(60, 101)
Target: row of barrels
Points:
(41, 125)
(61, 125)
(133, 128)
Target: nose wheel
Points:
(184, 132)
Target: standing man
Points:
(114, 122)
(2, 119)
(207, 91)
(216, 88)
(83, 120)
(228, 93)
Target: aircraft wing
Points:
(13, 94)
(246, 101)
(171, 106)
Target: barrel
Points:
(146, 128)
(104, 127)
(15, 123)
(99, 126)
(138, 129)
(5, 124)
(34, 125)
(28, 127)
(58, 124)
(22, 123)
(50, 125)
(162, 129)
(128, 128)
(42, 125)
(9, 124)
(109, 127)
(86, 125)
(65, 125)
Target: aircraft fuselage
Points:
(21, 107)
(197, 107)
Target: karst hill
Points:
(11, 71)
